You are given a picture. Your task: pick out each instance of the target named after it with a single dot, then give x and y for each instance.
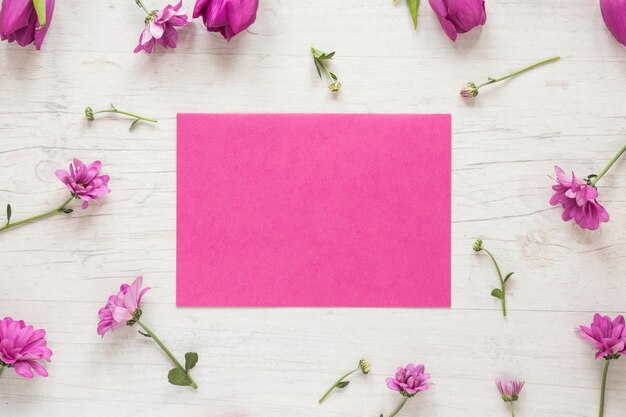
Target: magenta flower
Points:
(408, 381)
(229, 17)
(509, 389)
(20, 23)
(614, 15)
(459, 16)
(22, 347)
(608, 336)
(84, 182)
(124, 309)
(161, 28)
(579, 200)
(121, 307)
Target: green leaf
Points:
(317, 67)
(113, 107)
(40, 9)
(343, 384)
(191, 359)
(507, 277)
(67, 211)
(413, 6)
(133, 124)
(333, 76)
(177, 376)
(8, 213)
(497, 293)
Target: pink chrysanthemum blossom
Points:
(161, 28)
(22, 347)
(121, 307)
(84, 182)
(579, 201)
(409, 380)
(509, 389)
(607, 335)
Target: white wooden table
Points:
(276, 362)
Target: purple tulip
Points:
(459, 16)
(19, 22)
(229, 17)
(614, 14)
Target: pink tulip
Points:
(229, 17)
(614, 14)
(459, 16)
(19, 22)
(22, 347)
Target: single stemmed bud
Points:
(318, 58)
(477, 246)
(471, 89)
(509, 391)
(334, 86)
(364, 366)
(499, 293)
(90, 115)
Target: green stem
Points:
(2, 368)
(399, 407)
(502, 285)
(167, 351)
(143, 6)
(335, 385)
(609, 165)
(604, 375)
(538, 64)
(127, 114)
(512, 409)
(39, 216)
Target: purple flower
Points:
(409, 380)
(459, 16)
(84, 182)
(608, 336)
(121, 307)
(614, 14)
(509, 389)
(22, 347)
(161, 28)
(19, 22)
(579, 201)
(229, 17)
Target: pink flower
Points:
(614, 15)
(84, 182)
(19, 22)
(161, 28)
(509, 388)
(409, 380)
(459, 16)
(608, 336)
(121, 307)
(21, 347)
(578, 199)
(229, 17)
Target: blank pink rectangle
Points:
(313, 210)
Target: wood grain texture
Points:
(276, 362)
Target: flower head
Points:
(22, 347)
(607, 335)
(84, 182)
(409, 380)
(614, 15)
(579, 201)
(470, 90)
(19, 22)
(365, 366)
(229, 17)
(334, 86)
(122, 308)
(459, 16)
(477, 246)
(89, 114)
(161, 28)
(509, 389)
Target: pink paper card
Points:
(313, 210)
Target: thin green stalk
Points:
(143, 6)
(603, 389)
(609, 165)
(538, 64)
(512, 409)
(502, 284)
(2, 368)
(337, 383)
(167, 351)
(127, 114)
(399, 407)
(39, 216)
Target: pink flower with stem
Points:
(124, 309)
(579, 197)
(84, 183)
(161, 26)
(22, 348)
(608, 336)
(509, 390)
(408, 381)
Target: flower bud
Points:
(470, 90)
(89, 114)
(365, 366)
(477, 245)
(335, 86)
